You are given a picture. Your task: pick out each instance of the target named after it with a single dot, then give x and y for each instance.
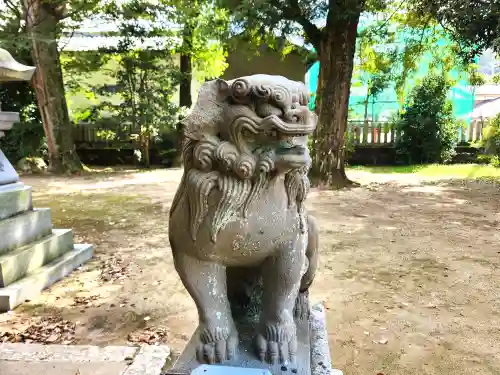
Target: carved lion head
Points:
(251, 125)
(238, 136)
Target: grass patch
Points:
(98, 212)
(436, 170)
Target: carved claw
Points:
(278, 345)
(301, 310)
(216, 347)
(282, 352)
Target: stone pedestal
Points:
(33, 255)
(313, 355)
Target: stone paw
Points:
(301, 309)
(278, 345)
(217, 345)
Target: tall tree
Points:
(42, 24)
(335, 44)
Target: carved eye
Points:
(293, 106)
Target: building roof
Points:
(487, 109)
(94, 42)
(488, 90)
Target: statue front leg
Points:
(277, 339)
(206, 283)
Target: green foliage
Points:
(204, 32)
(495, 161)
(473, 23)
(375, 68)
(428, 130)
(145, 76)
(475, 78)
(25, 139)
(491, 137)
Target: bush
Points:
(491, 137)
(24, 140)
(426, 124)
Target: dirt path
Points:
(409, 271)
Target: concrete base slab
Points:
(25, 228)
(14, 199)
(33, 284)
(27, 259)
(62, 368)
(36, 359)
(321, 363)
(66, 353)
(149, 361)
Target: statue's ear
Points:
(189, 129)
(222, 85)
(222, 89)
(196, 127)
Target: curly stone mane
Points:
(228, 169)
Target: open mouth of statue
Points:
(289, 145)
(295, 150)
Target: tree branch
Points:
(312, 32)
(13, 8)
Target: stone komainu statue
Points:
(240, 206)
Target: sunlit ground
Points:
(437, 170)
(409, 267)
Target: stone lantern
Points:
(10, 70)
(33, 255)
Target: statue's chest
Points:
(267, 228)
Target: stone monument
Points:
(243, 244)
(32, 254)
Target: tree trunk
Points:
(336, 56)
(367, 102)
(186, 68)
(42, 24)
(145, 152)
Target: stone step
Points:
(30, 286)
(14, 199)
(26, 259)
(25, 228)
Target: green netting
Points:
(387, 104)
